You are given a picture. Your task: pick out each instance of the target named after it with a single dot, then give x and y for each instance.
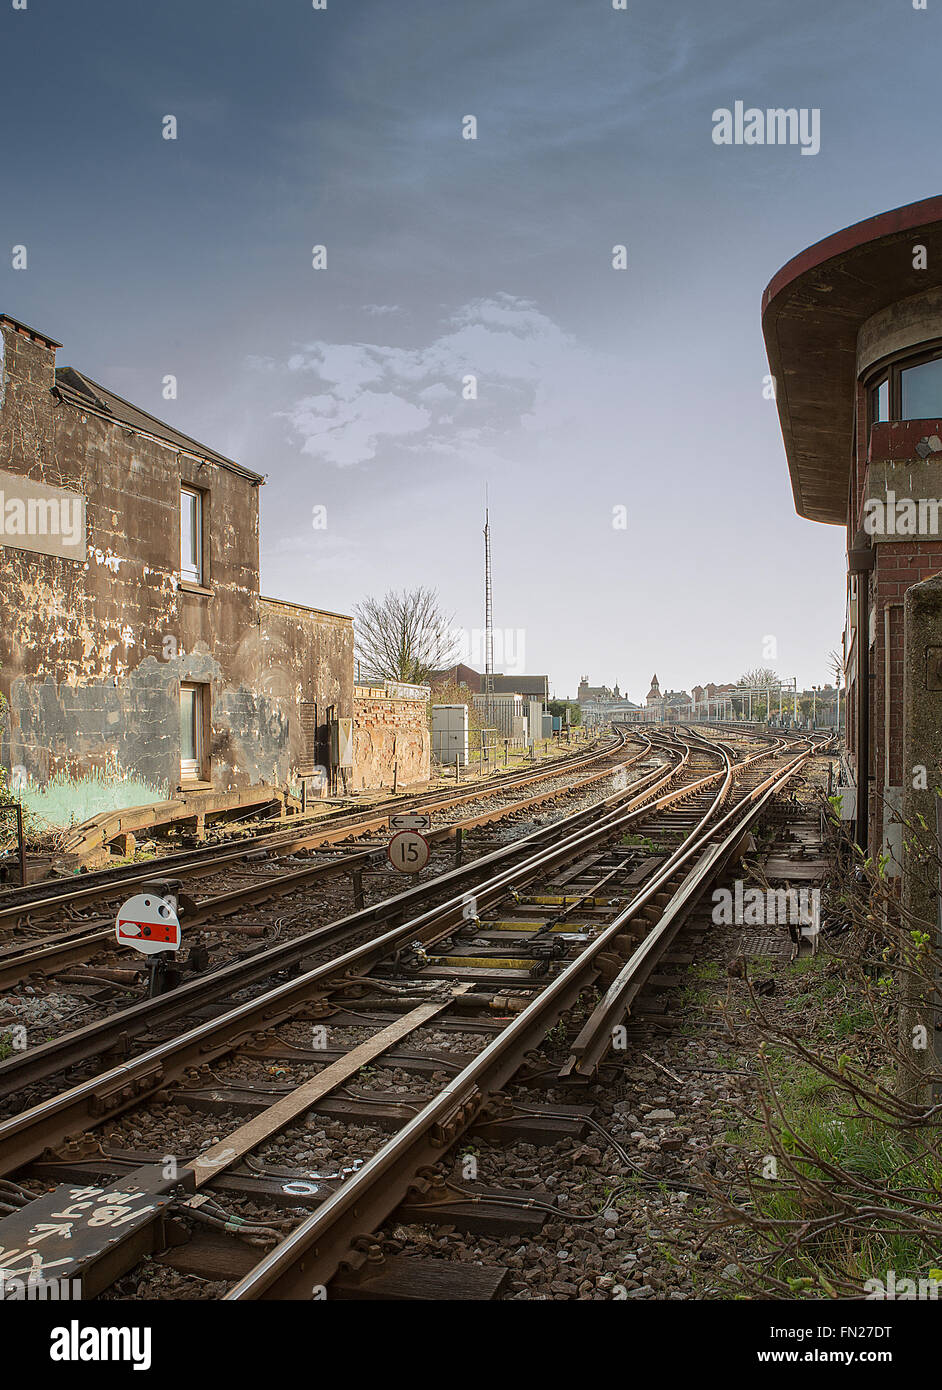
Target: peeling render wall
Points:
(306, 657)
(92, 652)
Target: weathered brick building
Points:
(137, 656)
(853, 329)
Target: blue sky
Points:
(448, 257)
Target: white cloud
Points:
(346, 430)
(438, 392)
(531, 377)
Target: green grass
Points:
(804, 965)
(708, 970)
(820, 1116)
(641, 842)
(853, 1020)
(817, 1116)
(869, 1151)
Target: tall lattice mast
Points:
(488, 608)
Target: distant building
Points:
(465, 677)
(711, 700)
(670, 705)
(533, 687)
(677, 699)
(596, 692)
(599, 704)
(515, 705)
(603, 711)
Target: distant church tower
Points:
(654, 694)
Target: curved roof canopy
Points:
(811, 313)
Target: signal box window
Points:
(921, 391)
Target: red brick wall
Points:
(389, 733)
(899, 563)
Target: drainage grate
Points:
(754, 944)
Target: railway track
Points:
(19, 905)
(92, 937)
(561, 928)
(120, 1027)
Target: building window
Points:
(921, 391)
(194, 705)
(191, 535)
(910, 389)
(880, 402)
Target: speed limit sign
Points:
(408, 852)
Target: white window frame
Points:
(191, 769)
(192, 574)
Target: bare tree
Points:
(403, 636)
(836, 665)
(759, 679)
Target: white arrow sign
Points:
(411, 820)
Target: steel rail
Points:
(594, 1039)
(38, 1063)
(310, 1255)
(24, 1136)
(124, 1087)
(325, 830)
(48, 957)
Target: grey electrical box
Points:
(341, 743)
(450, 734)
